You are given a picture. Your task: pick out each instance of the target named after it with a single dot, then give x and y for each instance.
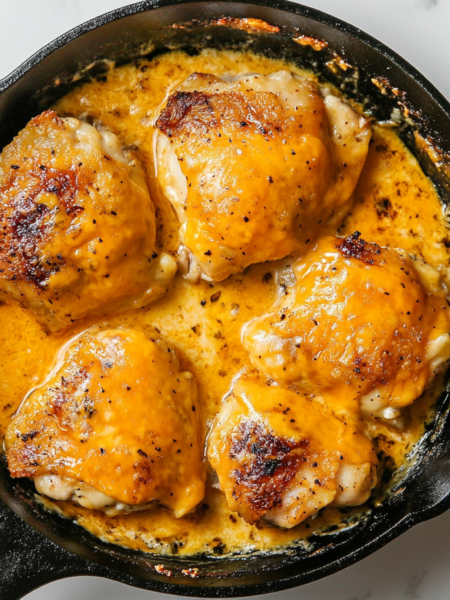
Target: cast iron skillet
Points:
(38, 547)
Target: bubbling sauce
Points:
(396, 205)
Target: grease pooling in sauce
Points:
(396, 206)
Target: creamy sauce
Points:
(396, 205)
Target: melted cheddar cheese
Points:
(395, 206)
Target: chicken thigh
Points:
(362, 326)
(114, 427)
(279, 455)
(77, 225)
(255, 167)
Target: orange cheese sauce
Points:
(396, 205)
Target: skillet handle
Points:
(28, 560)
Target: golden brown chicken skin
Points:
(279, 455)
(115, 426)
(362, 325)
(256, 166)
(77, 225)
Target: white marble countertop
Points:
(417, 564)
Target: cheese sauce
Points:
(396, 205)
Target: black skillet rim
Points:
(399, 527)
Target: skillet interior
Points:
(27, 560)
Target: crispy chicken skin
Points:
(114, 427)
(362, 325)
(77, 225)
(255, 167)
(281, 456)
